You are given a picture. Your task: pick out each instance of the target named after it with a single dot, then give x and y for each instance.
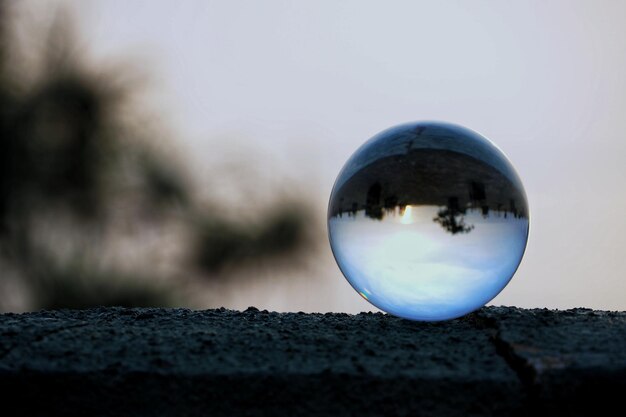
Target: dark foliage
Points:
(63, 150)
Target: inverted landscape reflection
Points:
(428, 221)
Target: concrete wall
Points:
(164, 362)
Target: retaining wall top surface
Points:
(497, 361)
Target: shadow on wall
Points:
(83, 193)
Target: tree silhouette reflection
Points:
(452, 218)
(380, 202)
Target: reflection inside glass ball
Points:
(428, 221)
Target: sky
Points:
(290, 89)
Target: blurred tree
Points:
(221, 243)
(70, 170)
(61, 151)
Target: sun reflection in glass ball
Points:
(428, 221)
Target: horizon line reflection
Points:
(450, 217)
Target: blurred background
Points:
(157, 153)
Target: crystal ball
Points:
(428, 221)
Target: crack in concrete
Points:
(524, 369)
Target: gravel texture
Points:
(176, 362)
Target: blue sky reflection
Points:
(413, 268)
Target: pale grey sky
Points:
(305, 83)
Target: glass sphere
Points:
(428, 221)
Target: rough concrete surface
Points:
(176, 362)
